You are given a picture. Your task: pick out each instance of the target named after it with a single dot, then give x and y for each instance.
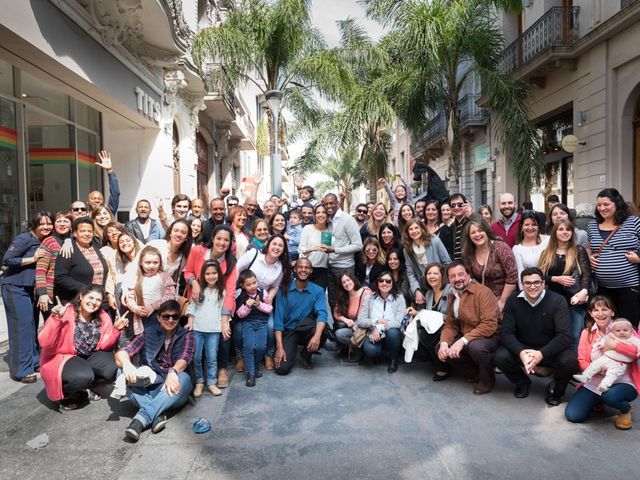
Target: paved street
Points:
(338, 421)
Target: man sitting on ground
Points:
(536, 332)
(468, 337)
(300, 318)
(167, 348)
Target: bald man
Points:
(506, 227)
(95, 198)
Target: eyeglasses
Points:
(535, 283)
(457, 204)
(362, 211)
(170, 316)
(385, 280)
(79, 209)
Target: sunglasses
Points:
(79, 209)
(170, 316)
(457, 205)
(362, 211)
(385, 280)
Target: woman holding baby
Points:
(606, 337)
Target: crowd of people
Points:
(156, 310)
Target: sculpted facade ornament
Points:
(173, 82)
(119, 22)
(180, 26)
(195, 104)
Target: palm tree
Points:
(436, 45)
(345, 173)
(274, 46)
(364, 112)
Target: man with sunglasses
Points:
(461, 210)
(167, 348)
(536, 332)
(79, 209)
(361, 214)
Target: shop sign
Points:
(147, 106)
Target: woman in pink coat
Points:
(77, 349)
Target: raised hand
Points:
(59, 309)
(121, 322)
(105, 161)
(298, 178)
(257, 177)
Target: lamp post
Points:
(274, 100)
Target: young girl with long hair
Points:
(144, 291)
(205, 319)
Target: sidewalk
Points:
(337, 421)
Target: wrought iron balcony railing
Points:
(469, 113)
(559, 27)
(217, 84)
(435, 133)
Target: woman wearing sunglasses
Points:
(381, 314)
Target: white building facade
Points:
(77, 76)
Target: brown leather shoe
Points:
(624, 421)
(240, 365)
(197, 391)
(481, 389)
(268, 363)
(223, 378)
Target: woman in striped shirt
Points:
(614, 240)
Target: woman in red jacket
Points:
(77, 342)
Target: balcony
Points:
(545, 42)
(431, 144)
(220, 97)
(470, 115)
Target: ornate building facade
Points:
(78, 76)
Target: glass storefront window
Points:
(43, 96)
(9, 196)
(6, 78)
(87, 117)
(52, 166)
(89, 176)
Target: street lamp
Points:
(274, 100)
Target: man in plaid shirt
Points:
(167, 349)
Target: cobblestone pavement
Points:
(337, 421)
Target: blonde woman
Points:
(379, 216)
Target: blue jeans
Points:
(154, 401)
(583, 401)
(391, 342)
(22, 323)
(238, 340)
(577, 325)
(254, 335)
(207, 341)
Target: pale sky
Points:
(324, 15)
